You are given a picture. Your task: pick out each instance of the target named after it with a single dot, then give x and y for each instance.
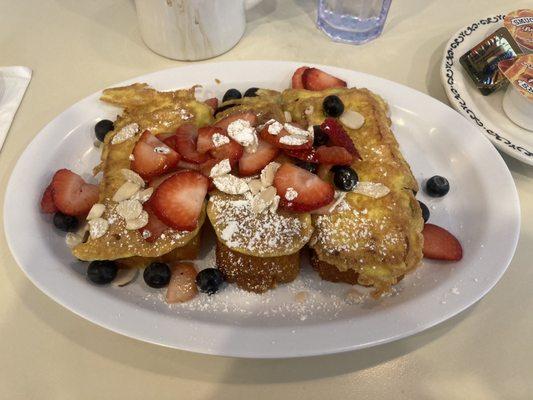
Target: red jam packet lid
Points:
(520, 24)
(519, 71)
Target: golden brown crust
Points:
(256, 274)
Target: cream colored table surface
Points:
(77, 47)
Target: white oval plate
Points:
(482, 209)
(486, 112)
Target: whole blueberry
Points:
(320, 137)
(66, 223)
(231, 94)
(157, 275)
(102, 272)
(333, 106)
(102, 128)
(425, 211)
(344, 178)
(437, 186)
(252, 92)
(209, 280)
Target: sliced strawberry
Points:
(338, 136)
(246, 115)
(152, 157)
(178, 200)
(205, 138)
(158, 180)
(316, 79)
(253, 163)
(155, 227)
(212, 102)
(304, 155)
(232, 150)
(184, 142)
(297, 82)
(71, 194)
(274, 140)
(312, 192)
(205, 168)
(335, 155)
(47, 201)
(324, 172)
(188, 165)
(439, 244)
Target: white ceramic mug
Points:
(192, 29)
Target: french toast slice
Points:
(379, 239)
(158, 112)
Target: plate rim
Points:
(269, 354)
(450, 60)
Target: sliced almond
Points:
(231, 184)
(221, 168)
(125, 276)
(98, 227)
(73, 239)
(143, 195)
(255, 186)
(275, 204)
(293, 140)
(125, 133)
(96, 211)
(137, 223)
(132, 176)
(339, 196)
(129, 209)
(182, 285)
(371, 189)
(263, 199)
(126, 191)
(288, 116)
(268, 173)
(352, 119)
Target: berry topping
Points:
(178, 200)
(252, 92)
(425, 211)
(182, 286)
(439, 244)
(71, 195)
(338, 136)
(102, 272)
(253, 163)
(303, 155)
(65, 223)
(47, 201)
(345, 178)
(334, 155)
(333, 106)
(209, 280)
(231, 94)
(157, 275)
(154, 228)
(152, 157)
(320, 138)
(102, 128)
(184, 142)
(232, 151)
(205, 138)
(300, 190)
(316, 79)
(297, 82)
(437, 186)
(245, 116)
(212, 102)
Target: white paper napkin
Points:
(13, 84)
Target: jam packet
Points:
(481, 62)
(520, 24)
(519, 72)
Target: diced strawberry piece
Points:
(297, 82)
(335, 155)
(71, 194)
(212, 102)
(155, 227)
(246, 115)
(253, 163)
(163, 136)
(205, 168)
(152, 157)
(304, 155)
(274, 140)
(312, 192)
(184, 142)
(338, 136)
(47, 201)
(188, 165)
(182, 286)
(205, 138)
(316, 79)
(232, 150)
(158, 180)
(439, 244)
(178, 200)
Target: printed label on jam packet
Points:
(519, 72)
(520, 24)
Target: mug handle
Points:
(251, 3)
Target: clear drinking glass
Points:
(352, 21)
